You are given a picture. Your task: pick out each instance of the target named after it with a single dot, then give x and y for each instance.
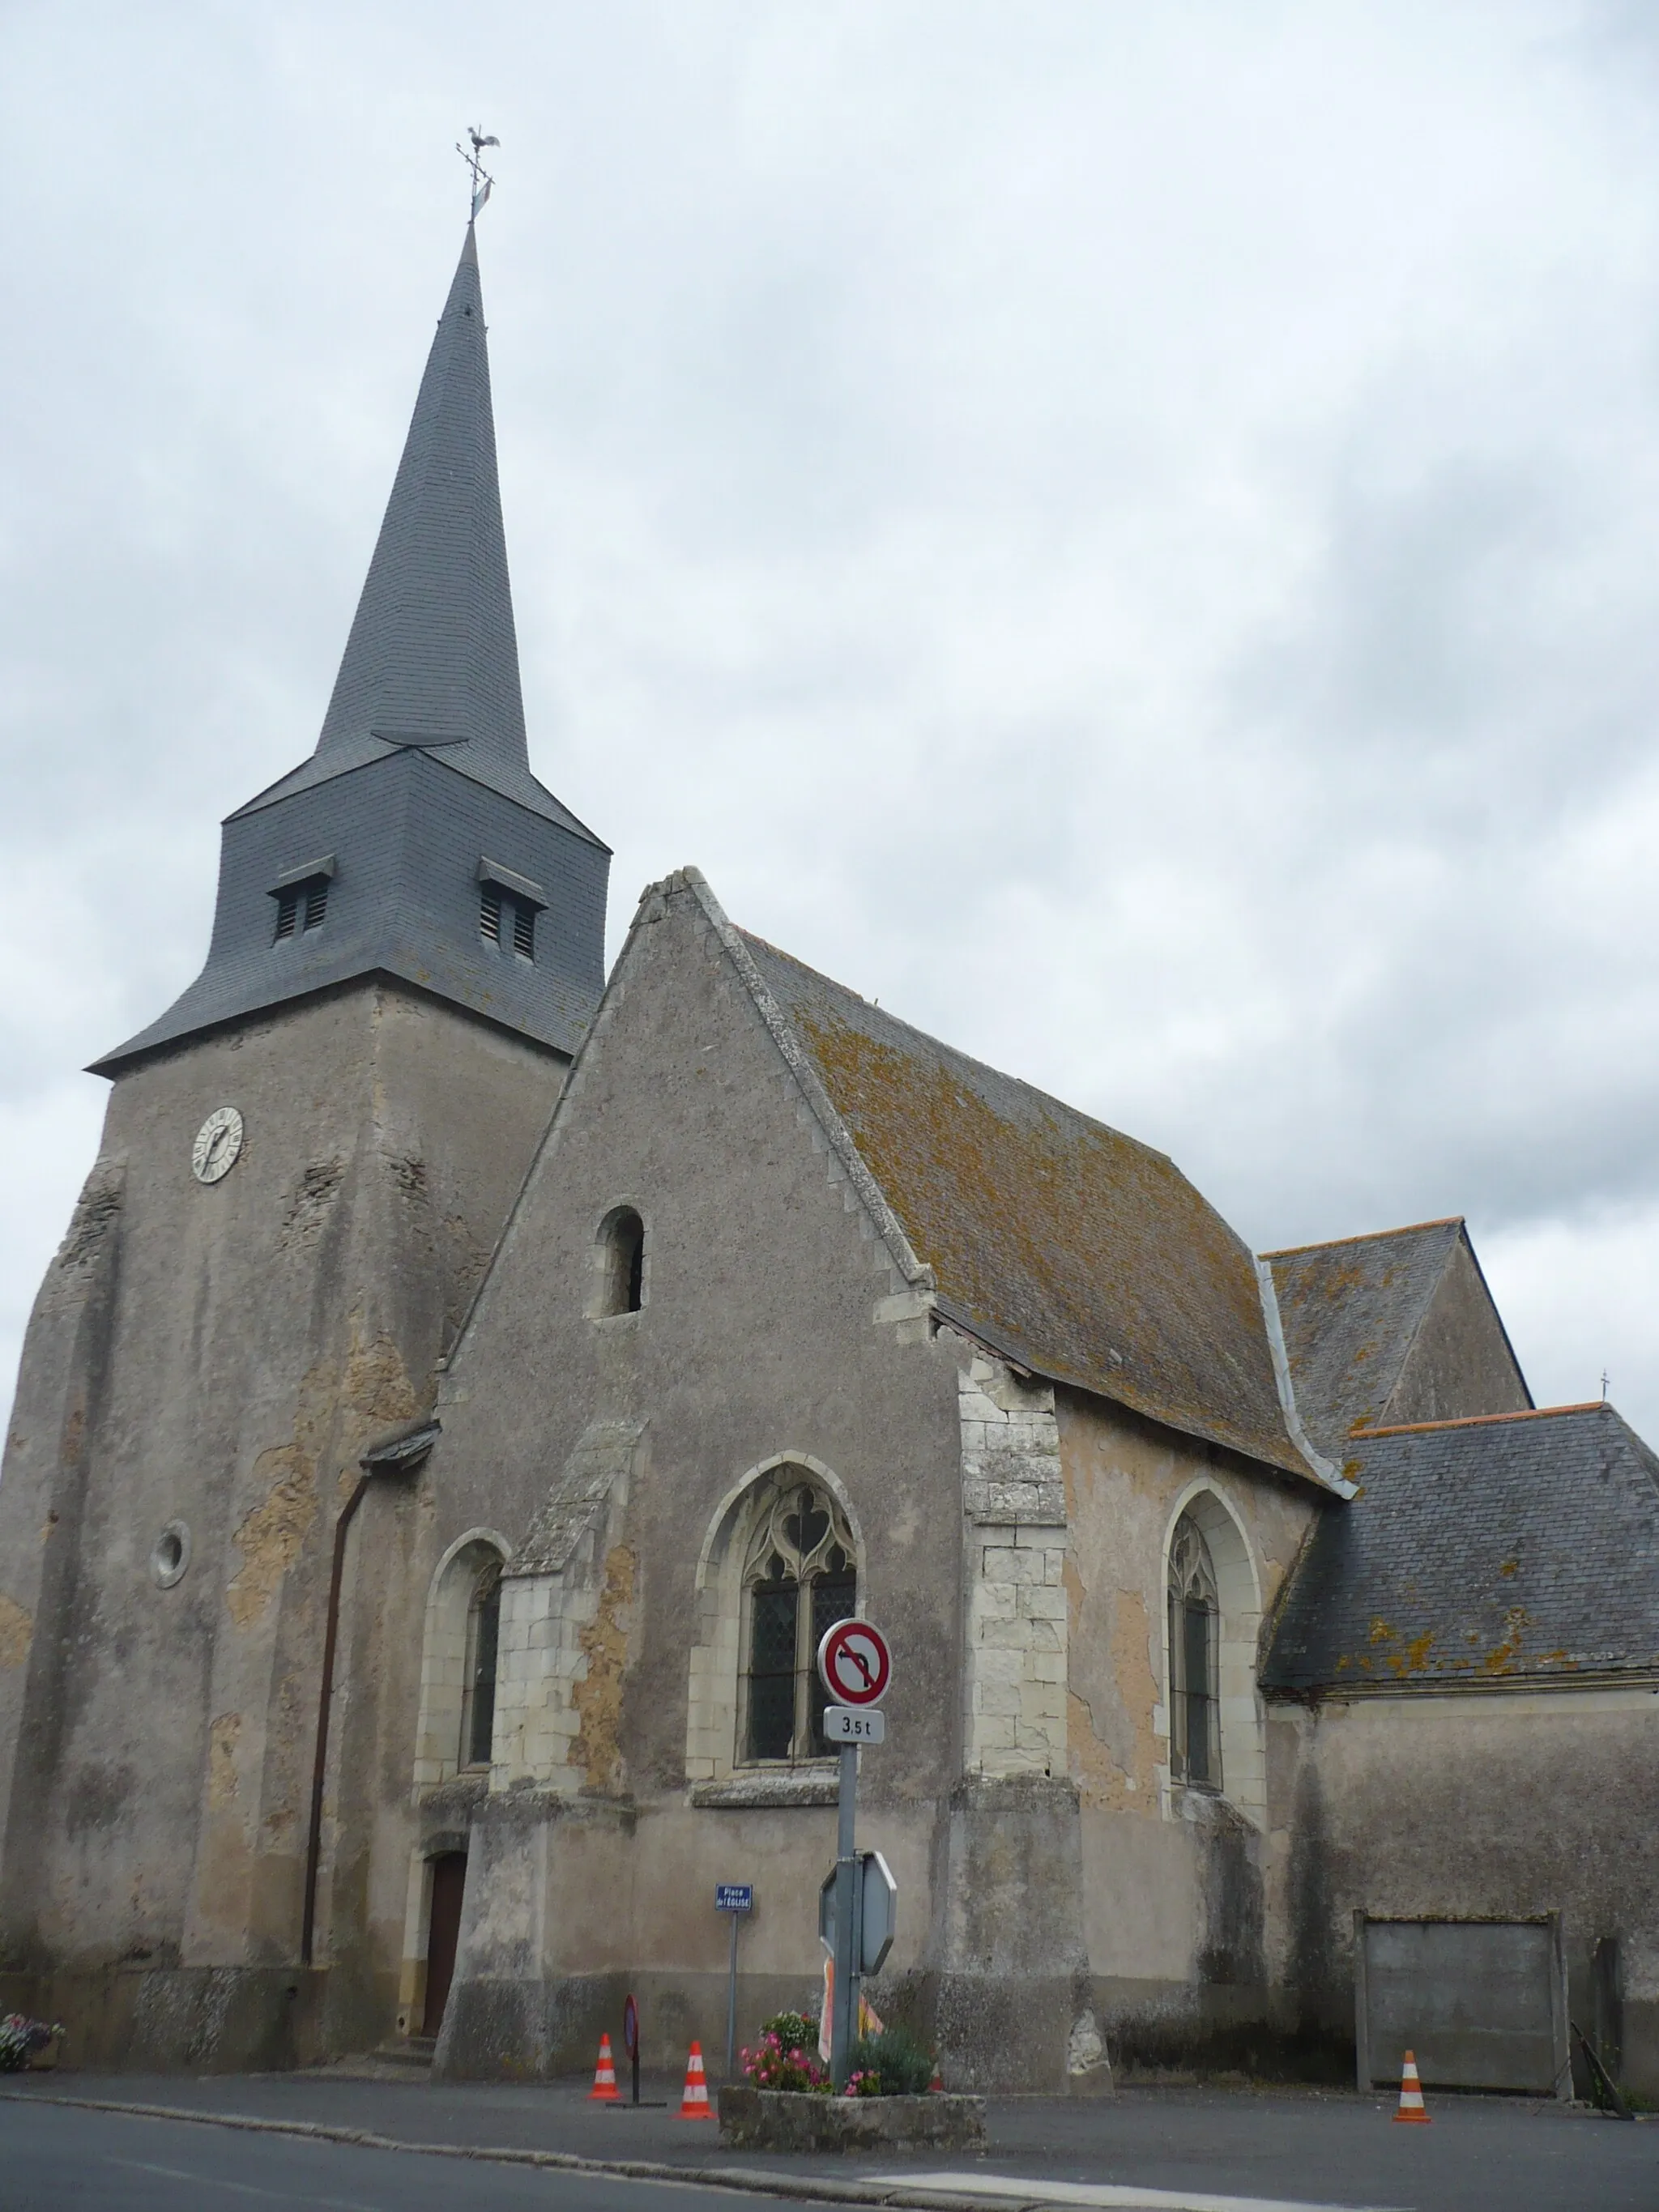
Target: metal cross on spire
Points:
(483, 182)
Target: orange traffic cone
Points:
(694, 2103)
(604, 2076)
(1411, 2095)
(936, 2086)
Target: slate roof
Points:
(433, 653)
(1081, 1253)
(421, 770)
(1509, 1548)
(1350, 1312)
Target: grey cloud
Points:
(1131, 539)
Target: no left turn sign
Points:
(854, 1663)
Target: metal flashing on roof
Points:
(1478, 1420)
(523, 887)
(309, 872)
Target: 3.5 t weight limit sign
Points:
(855, 1663)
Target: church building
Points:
(469, 1385)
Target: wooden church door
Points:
(443, 1932)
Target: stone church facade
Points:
(469, 1385)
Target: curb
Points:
(753, 2181)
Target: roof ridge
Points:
(944, 1045)
(1366, 1237)
(1482, 1421)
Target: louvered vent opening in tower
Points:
(287, 914)
(317, 903)
(490, 912)
(524, 931)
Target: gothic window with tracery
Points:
(1194, 1660)
(800, 1578)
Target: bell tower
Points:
(305, 1165)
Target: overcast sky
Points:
(1130, 534)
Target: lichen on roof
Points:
(1516, 1547)
(1350, 1311)
(1075, 1248)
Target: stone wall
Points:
(1013, 1504)
(1502, 1804)
(257, 1334)
(777, 1328)
(1178, 1884)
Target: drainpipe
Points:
(399, 1455)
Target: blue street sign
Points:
(734, 1897)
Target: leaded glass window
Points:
(483, 1629)
(800, 1578)
(1194, 1660)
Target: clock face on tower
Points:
(218, 1141)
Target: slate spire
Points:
(414, 844)
(433, 656)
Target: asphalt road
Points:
(1211, 2149)
(65, 2160)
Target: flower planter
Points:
(43, 2061)
(792, 2120)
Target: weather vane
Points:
(483, 182)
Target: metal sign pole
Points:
(731, 2005)
(844, 2018)
(854, 1666)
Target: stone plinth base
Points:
(786, 2120)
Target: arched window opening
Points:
(623, 1289)
(1194, 1660)
(483, 1629)
(800, 1578)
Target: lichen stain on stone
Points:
(373, 1392)
(223, 1736)
(598, 1699)
(376, 1389)
(272, 1536)
(16, 1627)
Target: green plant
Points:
(894, 2064)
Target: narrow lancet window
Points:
(483, 1627)
(1194, 1622)
(622, 1251)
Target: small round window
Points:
(171, 1557)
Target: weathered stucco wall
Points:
(1179, 1884)
(1501, 1804)
(774, 1323)
(250, 1337)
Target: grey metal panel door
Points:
(1478, 2003)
